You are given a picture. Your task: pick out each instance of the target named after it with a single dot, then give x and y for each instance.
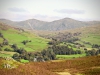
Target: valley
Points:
(56, 51)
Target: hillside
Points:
(85, 39)
(62, 24)
(22, 39)
(80, 66)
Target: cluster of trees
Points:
(72, 40)
(68, 37)
(37, 56)
(64, 37)
(65, 50)
(21, 53)
(48, 54)
(5, 41)
(95, 46)
(45, 55)
(54, 42)
(92, 52)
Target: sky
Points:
(50, 10)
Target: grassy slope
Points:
(92, 38)
(16, 37)
(89, 34)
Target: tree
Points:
(5, 42)
(25, 41)
(39, 58)
(1, 45)
(97, 52)
(79, 52)
(1, 35)
(31, 56)
(93, 52)
(46, 58)
(21, 51)
(14, 46)
(0, 49)
(50, 54)
(88, 54)
(26, 57)
(16, 57)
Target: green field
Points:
(16, 37)
(92, 38)
(70, 56)
(24, 61)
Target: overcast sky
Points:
(50, 10)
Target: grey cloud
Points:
(14, 9)
(70, 11)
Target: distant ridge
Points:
(62, 24)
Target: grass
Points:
(92, 38)
(86, 45)
(16, 37)
(24, 61)
(1, 40)
(7, 46)
(6, 54)
(70, 56)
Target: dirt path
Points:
(63, 73)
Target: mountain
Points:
(27, 24)
(62, 24)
